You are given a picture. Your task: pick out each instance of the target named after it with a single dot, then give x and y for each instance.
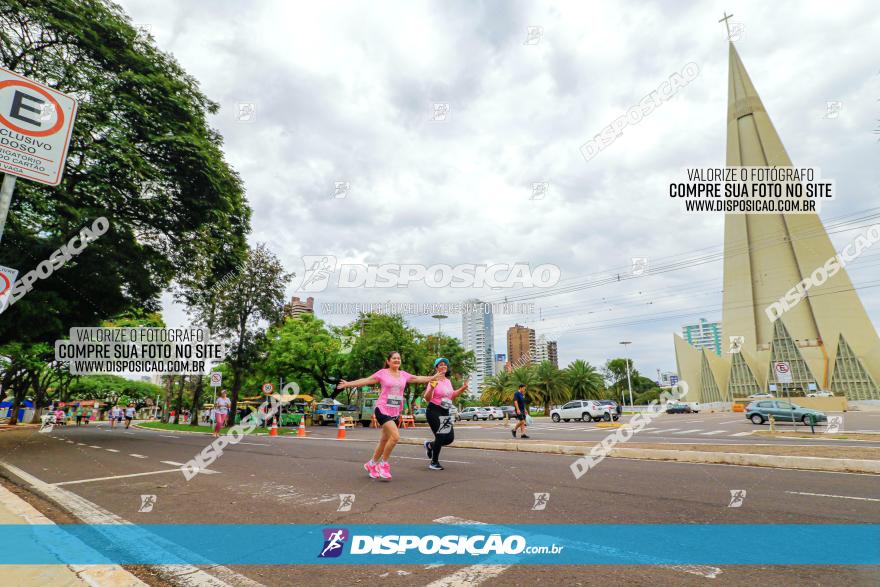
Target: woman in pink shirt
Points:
(439, 395)
(392, 381)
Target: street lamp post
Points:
(626, 344)
(439, 318)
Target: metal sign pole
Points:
(5, 199)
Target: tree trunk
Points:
(546, 408)
(236, 387)
(197, 397)
(178, 404)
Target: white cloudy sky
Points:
(343, 91)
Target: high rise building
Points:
(703, 335)
(540, 350)
(478, 335)
(521, 345)
(827, 338)
(500, 363)
(552, 353)
(297, 307)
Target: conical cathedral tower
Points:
(827, 338)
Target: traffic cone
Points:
(302, 427)
(273, 431)
(340, 430)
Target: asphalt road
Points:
(290, 480)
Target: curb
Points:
(684, 456)
(72, 574)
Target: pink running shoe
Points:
(372, 468)
(384, 471)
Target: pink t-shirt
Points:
(443, 393)
(391, 397)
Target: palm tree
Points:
(584, 381)
(497, 389)
(550, 385)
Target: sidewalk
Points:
(14, 510)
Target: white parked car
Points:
(761, 396)
(585, 410)
(495, 413)
(476, 413)
(820, 394)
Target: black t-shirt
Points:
(520, 400)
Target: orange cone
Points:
(273, 431)
(302, 427)
(340, 430)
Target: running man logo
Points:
(736, 344)
(737, 497)
(318, 269)
(541, 500)
(147, 503)
(445, 425)
(334, 542)
(346, 500)
(835, 424)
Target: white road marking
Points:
(255, 443)
(425, 459)
(129, 432)
(733, 421)
(830, 495)
(69, 442)
(93, 446)
(78, 481)
(668, 430)
(689, 431)
(80, 444)
(172, 463)
(91, 513)
(467, 576)
(111, 449)
(742, 434)
(137, 456)
(168, 436)
(713, 432)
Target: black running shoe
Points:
(435, 467)
(513, 432)
(523, 436)
(428, 449)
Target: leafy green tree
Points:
(303, 350)
(256, 295)
(21, 366)
(141, 154)
(526, 375)
(497, 389)
(583, 380)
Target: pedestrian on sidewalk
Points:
(392, 380)
(114, 414)
(79, 416)
(439, 395)
(221, 410)
(519, 404)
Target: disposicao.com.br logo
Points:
(450, 544)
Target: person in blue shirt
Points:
(519, 404)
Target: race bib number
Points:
(394, 400)
(446, 403)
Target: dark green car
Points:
(782, 411)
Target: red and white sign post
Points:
(35, 127)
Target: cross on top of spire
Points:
(726, 24)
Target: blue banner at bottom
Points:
(606, 544)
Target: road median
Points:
(813, 458)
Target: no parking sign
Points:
(216, 379)
(7, 280)
(35, 126)
(783, 371)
